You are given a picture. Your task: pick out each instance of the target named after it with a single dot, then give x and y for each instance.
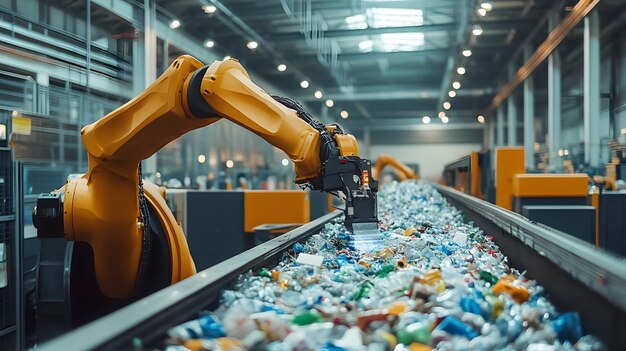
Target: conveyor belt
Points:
(575, 274)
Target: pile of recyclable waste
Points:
(433, 281)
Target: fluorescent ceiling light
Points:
(402, 41)
(357, 21)
(366, 46)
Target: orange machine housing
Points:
(509, 162)
(550, 185)
(261, 207)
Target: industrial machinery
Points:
(124, 241)
(402, 171)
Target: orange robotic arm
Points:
(106, 207)
(403, 172)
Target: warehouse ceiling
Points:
(384, 62)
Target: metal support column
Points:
(18, 193)
(166, 55)
(512, 113)
(367, 140)
(88, 42)
(150, 65)
(591, 72)
(554, 100)
(150, 41)
(43, 93)
(500, 127)
(529, 115)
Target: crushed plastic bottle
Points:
(432, 281)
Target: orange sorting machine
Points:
(561, 201)
(465, 174)
(220, 224)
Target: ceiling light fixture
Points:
(477, 30)
(442, 114)
(344, 114)
(304, 84)
(318, 94)
(481, 119)
(285, 162)
(445, 120)
(175, 24)
(252, 45)
(446, 105)
(452, 93)
(230, 164)
(456, 85)
(467, 53)
(330, 103)
(209, 9)
(482, 12)
(460, 70)
(227, 57)
(425, 119)
(282, 67)
(487, 6)
(209, 43)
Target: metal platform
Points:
(577, 277)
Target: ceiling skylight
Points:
(401, 41)
(380, 17)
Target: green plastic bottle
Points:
(307, 317)
(488, 277)
(384, 271)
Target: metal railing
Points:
(22, 93)
(61, 44)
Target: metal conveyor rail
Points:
(577, 276)
(151, 316)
